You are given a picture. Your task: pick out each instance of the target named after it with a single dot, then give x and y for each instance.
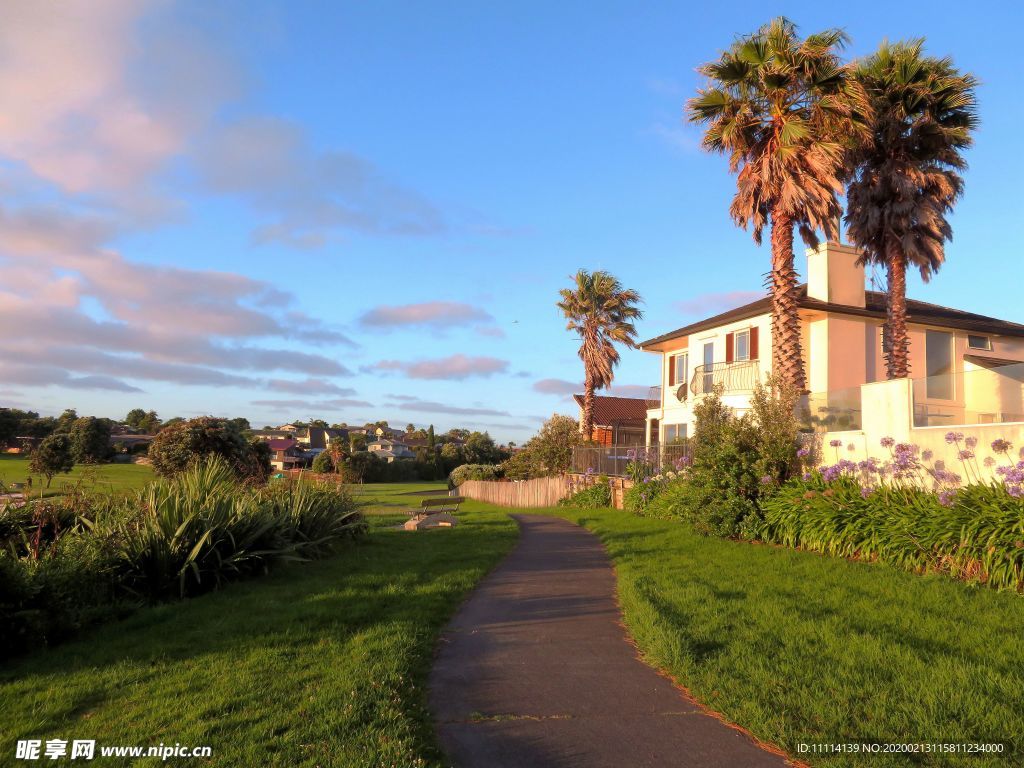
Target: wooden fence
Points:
(541, 492)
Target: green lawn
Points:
(798, 647)
(324, 663)
(101, 477)
(319, 664)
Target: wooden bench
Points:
(434, 513)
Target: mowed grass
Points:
(392, 503)
(319, 664)
(801, 648)
(101, 478)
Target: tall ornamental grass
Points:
(907, 514)
(175, 538)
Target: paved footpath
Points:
(535, 671)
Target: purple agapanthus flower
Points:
(946, 498)
(887, 442)
(835, 443)
(1001, 446)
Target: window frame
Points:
(987, 339)
(930, 377)
(736, 336)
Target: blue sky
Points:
(365, 210)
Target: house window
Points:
(681, 363)
(938, 348)
(678, 368)
(742, 345)
(979, 342)
(675, 433)
(709, 362)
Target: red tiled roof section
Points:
(281, 445)
(615, 410)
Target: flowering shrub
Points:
(643, 463)
(909, 514)
(737, 461)
(639, 498)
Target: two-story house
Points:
(966, 367)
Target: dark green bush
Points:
(597, 495)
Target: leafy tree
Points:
(90, 440)
(452, 455)
(357, 442)
(907, 172)
(549, 452)
(410, 428)
(240, 423)
(53, 456)
(456, 434)
(143, 421)
(322, 464)
(65, 420)
(178, 446)
(362, 467)
(601, 312)
(522, 466)
(555, 441)
(318, 423)
(480, 449)
(785, 111)
(17, 423)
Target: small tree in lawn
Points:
(601, 312)
(90, 440)
(52, 457)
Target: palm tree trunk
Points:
(587, 427)
(787, 355)
(897, 358)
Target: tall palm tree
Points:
(783, 109)
(601, 312)
(907, 173)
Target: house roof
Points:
(616, 410)
(281, 445)
(920, 312)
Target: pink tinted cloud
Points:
(556, 387)
(712, 303)
(454, 368)
(429, 314)
(407, 403)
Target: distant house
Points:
(285, 453)
(313, 439)
(389, 433)
(389, 450)
(271, 434)
(617, 420)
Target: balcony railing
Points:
(731, 377)
(654, 397)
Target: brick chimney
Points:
(833, 274)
